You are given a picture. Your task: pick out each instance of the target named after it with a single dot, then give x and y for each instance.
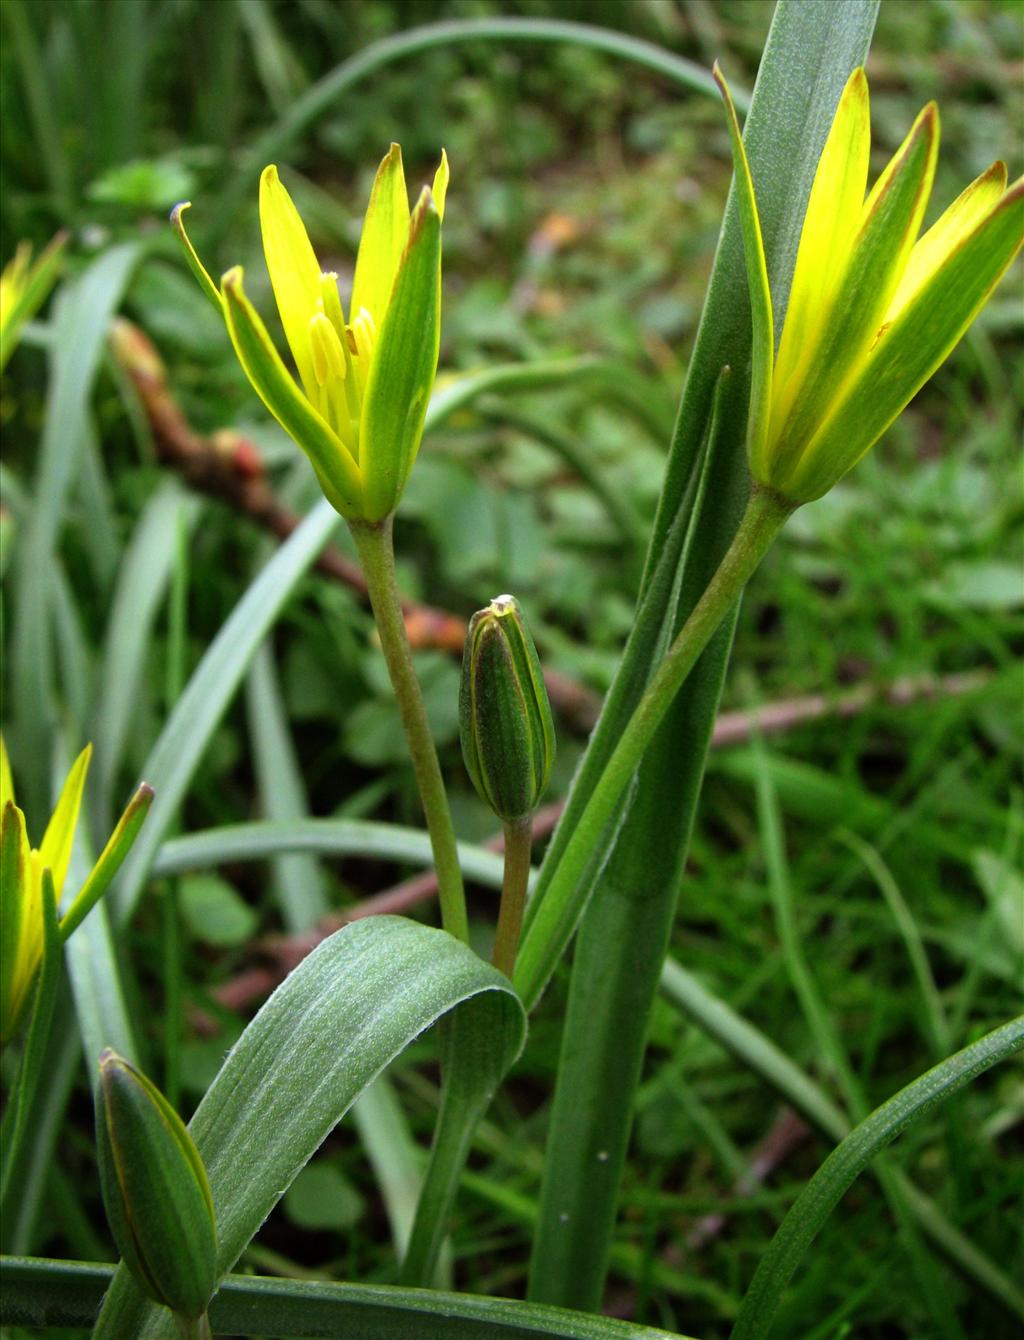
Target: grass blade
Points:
(79, 329)
(298, 881)
(829, 1184)
(138, 594)
(827, 1040)
(174, 757)
(338, 82)
(323, 837)
(752, 1048)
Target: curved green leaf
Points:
(39, 1292)
(348, 1010)
(807, 58)
(325, 837)
(846, 1162)
(753, 1049)
(339, 81)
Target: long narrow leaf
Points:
(348, 1010)
(68, 1293)
(174, 757)
(138, 594)
(830, 1183)
(79, 329)
(752, 1048)
(808, 56)
(338, 82)
(298, 880)
(324, 837)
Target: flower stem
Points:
(518, 846)
(376, 551)
(557, 915)
(197, 1328)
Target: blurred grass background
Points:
(585, 202)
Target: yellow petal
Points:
(889, 225)
(441, 184)
(30, 944)
(15, 867)
(385, 233)
(912, 347)
(960, 219)
(55, 848)
(6, 781)
(293, 268)
(334, 465)
(830, 225)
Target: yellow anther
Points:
(330, 300)
(362, 335)
(325, 347)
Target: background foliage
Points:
(585, 204)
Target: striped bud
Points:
(508, 737)
(154, 1186)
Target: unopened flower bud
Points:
(155, 1190)
(508, 737)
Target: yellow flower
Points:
(23, 289)
(21, 879)
(365, 382)
(873, 310)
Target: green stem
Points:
(197, 1328)
(559, 912)
(518, 847)
(376, 551)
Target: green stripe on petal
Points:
(403, 367)
(912, 347)
(891, 220)
(192, 256)
(110, 860)
(530, 675)
(962, 217)
(385, 234)
(763, 343)
(336, 470)
(293, 268)
(55, 848)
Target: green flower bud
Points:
(508, 737)
(155, 1190)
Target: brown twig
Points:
(731, 728)
(787, 1133)
(228, 466)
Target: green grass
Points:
(585, 202)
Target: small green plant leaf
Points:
(352, 1006)
(215, 913)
